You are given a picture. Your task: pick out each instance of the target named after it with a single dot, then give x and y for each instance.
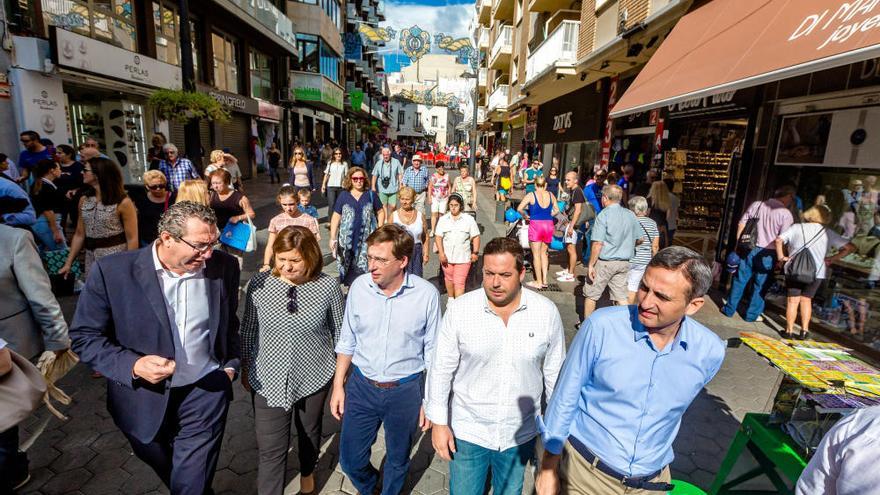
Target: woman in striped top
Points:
(646, 249)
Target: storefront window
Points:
(225, 63)
(111, 21)
(261, 76)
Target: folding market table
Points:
(775, 451)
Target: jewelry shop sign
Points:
(84, 54)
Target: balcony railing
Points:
(270, 17)
(482, 76)
(504, 41)
(498, 98)
(484, 38)
(560, 48)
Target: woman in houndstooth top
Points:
(291, 323)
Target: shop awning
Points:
(727, 45)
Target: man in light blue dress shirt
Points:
(388, 334)
(630, 374)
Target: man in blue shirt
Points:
(417, 177)
(388, 334)
(387, 176)
(33, 152)
(593, 190)
(176, 168)
(613, 240)
(358, 158)
(23, 218)
(630, 374)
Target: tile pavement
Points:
(86, 454)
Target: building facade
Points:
(417, 121)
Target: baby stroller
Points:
(519, 231)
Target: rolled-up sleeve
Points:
(556, 423)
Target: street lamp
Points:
(473, 139)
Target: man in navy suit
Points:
(160, 324)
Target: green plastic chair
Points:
(685, 488)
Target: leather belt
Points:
(638, 482)
(393, 384)
(92, 243)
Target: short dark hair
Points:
(303, 240)
(174, 219)
(502, 245)
(110, 181)
(32, 135)
(402, 241)
(691, 264)
(67, 150)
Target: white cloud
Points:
(452, 20)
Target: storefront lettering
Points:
(562, 122)
(840, 24)
(705, 102)
(228, 100)
(870, 69)
(44, 102)
(136, 71)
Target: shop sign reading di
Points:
(81, 53)
(838, 24)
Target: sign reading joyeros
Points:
(562, 122)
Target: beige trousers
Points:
(578, 477)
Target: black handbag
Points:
(801, 268)
(748, 239)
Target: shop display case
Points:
(87, 120)
(700, 182)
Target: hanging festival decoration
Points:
(430, 97)
(414, 42)
(377, 34)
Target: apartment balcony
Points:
(499, 57)
(548, 5)
(502, 10)
(483, 40)
(498, 98)
(484, 11)
(482, 77)
(556, 53)
(269, 18)
(481, 115)
(351, 13)
(317, 90)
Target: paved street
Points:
(88, 455)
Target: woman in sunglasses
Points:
(151, 205)
(107, 221)
(292, 318)
(356, 214)
(301, 175)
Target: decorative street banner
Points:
(376, 35)
(353, 47)
(415, 43)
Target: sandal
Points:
(534, 285)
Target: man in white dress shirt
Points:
(498, 352)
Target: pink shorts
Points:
(456, 273)
(541, 231)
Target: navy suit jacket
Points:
(121, 316)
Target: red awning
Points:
(727, 45)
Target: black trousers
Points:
(185, 451)
(13, 464)
(272, 426)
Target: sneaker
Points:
(562, 272)
(566, 277)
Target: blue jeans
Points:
(756, 268)
(366, 408)
(588, 236)
(43, 234)
(470, 465)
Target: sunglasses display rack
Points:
(700, 182)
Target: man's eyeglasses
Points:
(156, 187)
(378, 261)
(291, 300)
(201, 247)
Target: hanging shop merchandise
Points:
(568, 128)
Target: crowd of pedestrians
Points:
(157, 315)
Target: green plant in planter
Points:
(183, 106)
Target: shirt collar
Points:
(157, 265)
(523, 301)
(640, 332)
(407, 283)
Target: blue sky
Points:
(435, 16)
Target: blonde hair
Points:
(818, 214)
(151, 175)
(216, 156)
(540, 181)
(659, 195)
(408, 192)
(194, 190)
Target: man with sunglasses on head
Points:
(33, 152)
(386, 341)
(160, 324)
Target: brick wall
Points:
(587, 32)
(637, 10)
